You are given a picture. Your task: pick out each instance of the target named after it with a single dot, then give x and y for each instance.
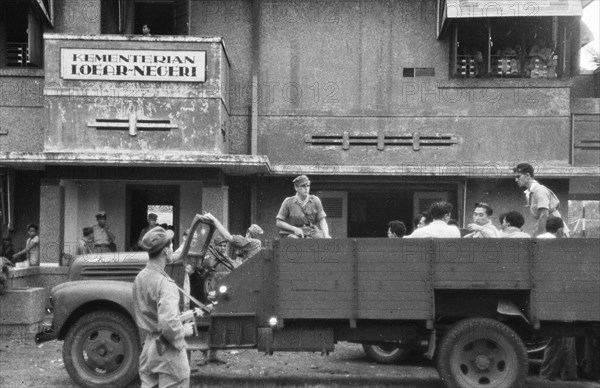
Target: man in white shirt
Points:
(482, 223)
(438, 228)
(511, 224)
(554, 228)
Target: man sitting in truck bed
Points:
(438, 228)
(246, 247)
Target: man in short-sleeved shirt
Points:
(301, 211)
(542, 202)
(103, 237)
(482, 223)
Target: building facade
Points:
(386, 105)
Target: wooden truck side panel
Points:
(566, 280)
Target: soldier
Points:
(156, 306)
(104, 239)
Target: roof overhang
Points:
(466, 9)
(489, 170)
(230, 164)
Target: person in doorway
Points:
(438, 228)
(104, 239)
(542, 202)
(8, 249)
(146, 30)
(302, 215)
(32, 247)
(156, 307)
(511, 224)
(86, 244)
(396, 229)
(152, 221)
(482, 222)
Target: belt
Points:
(102, 245)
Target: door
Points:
(144, 199)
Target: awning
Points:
(463, 9)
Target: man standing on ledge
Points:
(542, 202)
(302, 215)
(103, 237)
(156, 306)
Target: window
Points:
(164, 17)
(516, 47)
(21, 30)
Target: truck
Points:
(472, 304)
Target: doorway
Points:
(142, 200)
(370, 213)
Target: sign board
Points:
(133, 65)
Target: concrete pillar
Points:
(216, 201)
(52, 220)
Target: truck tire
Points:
(482, 352)
(102, 349)
(386, 353)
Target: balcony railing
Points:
(17, 54)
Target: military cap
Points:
(301, 180)
(101, 214)
(156, 239)
(152, 216)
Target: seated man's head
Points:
(440, 211)
(482, 213)
(220, 243)
(512, 218)
(254, 231)
(88, 234)
(396, 229)
(422, 220)
(554, 224)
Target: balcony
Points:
(135, 94)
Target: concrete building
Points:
(386, 105)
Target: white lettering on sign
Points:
(133, 65)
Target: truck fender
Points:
(68, 297)
(507, 307)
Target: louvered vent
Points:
(414, 140)
(333, 207)
(127, 273)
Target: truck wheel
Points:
(386, 353)
(102, 349)
(482, 352)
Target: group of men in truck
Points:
(156, 296)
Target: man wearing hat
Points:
(156, 306)
(542, 202)
(86, 244)
(302, 215)
(246, 246)
(152, 220)
(103, 237)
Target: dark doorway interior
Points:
(139, 199)
(160, 17)
(369, 213)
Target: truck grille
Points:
(111, 273)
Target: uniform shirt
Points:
(295, 214)
(489, 230)
(246, 247)
(540, 197)
(436, 229)
(101, 237)
(156, 305)
(513, 232)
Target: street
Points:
(24, 364)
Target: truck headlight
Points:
(223, 289)
(273, 321)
